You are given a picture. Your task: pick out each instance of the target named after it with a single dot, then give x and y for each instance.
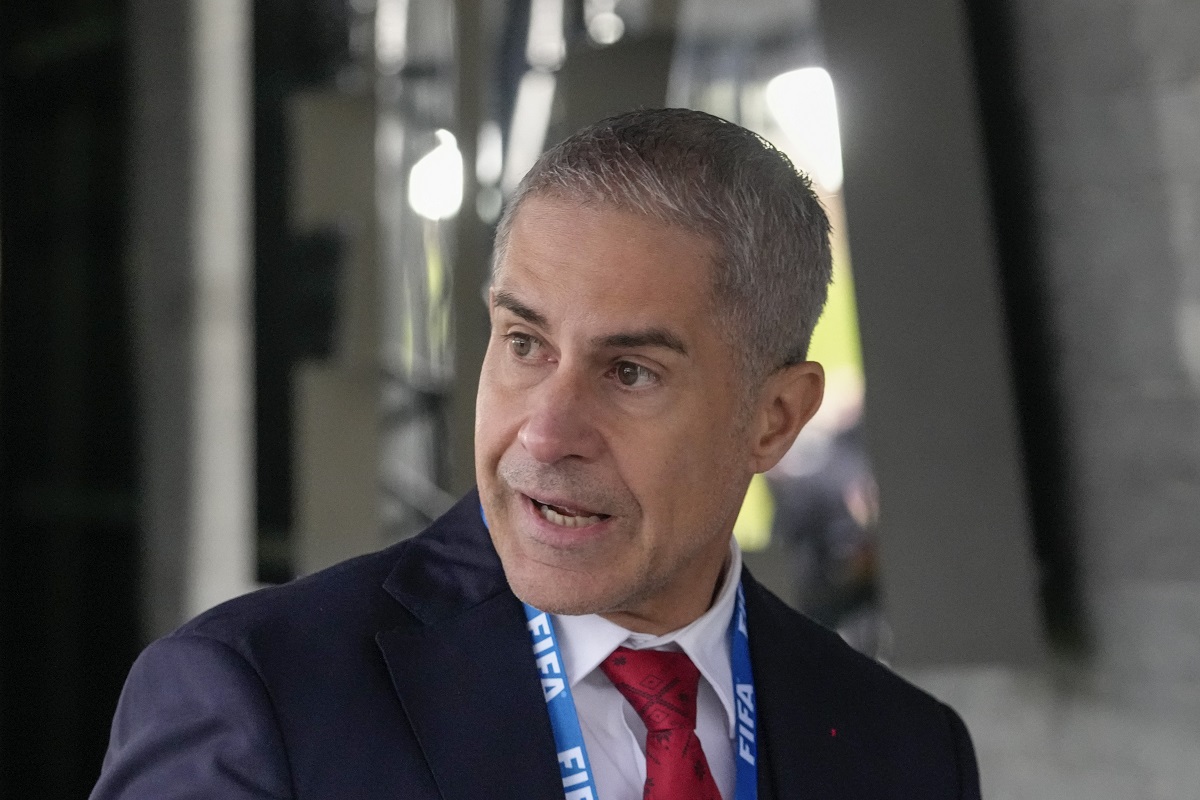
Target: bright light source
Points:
(606, 28)
(530, 121)
(435, 184)
(546, 46)
(489, 154)
(391, 35)
(803, 103)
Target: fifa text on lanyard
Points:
(564, 719)
(573, 762)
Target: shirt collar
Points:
(585, 641)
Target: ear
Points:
(788, 400)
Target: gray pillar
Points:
(335, 453)
(956, 550)
(472, 267)
(1111, 96)
(190, 259)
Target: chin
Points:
(558, 591)
(555, 603)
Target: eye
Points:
(633, 375)
(521, 345)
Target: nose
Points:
(560, 422)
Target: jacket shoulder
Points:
(343, 597)
(812, 648)
(365, 594)
(855, 722)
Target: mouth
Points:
(566, 516)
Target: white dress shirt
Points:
(614, 734)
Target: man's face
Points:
(610, 454)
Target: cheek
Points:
(706, 469)
(673, 471)
(491, 416)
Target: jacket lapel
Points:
(800, 752)
(464, 668)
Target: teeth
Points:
(564, 520)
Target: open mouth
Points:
(565, 516)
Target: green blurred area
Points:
(836, 345)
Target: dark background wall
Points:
(68, 421)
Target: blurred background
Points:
(243, 250)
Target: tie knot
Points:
(660, 685)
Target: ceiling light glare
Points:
(489, 154)
(606, 28)
(435, 184)
(546, 46)
(391, 35)
(530, 121)
(803, 104)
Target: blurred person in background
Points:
(827, 515)
(580, 626)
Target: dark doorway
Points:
(68, 536)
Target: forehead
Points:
(603, 253)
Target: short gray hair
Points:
(772, 262)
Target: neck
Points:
(673, 610)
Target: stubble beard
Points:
(551, 588)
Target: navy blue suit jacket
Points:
(408, 673)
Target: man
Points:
(582, 626)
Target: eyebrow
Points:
(506, 300)
(650, 337)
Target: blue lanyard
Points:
(744, 702)
(573, 764)
(575, 769)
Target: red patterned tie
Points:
(661, 687)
